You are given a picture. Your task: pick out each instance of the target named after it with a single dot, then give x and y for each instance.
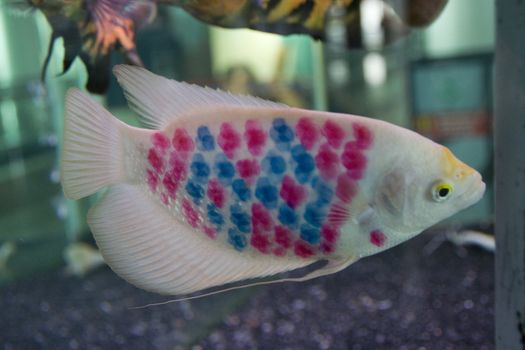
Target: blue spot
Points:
(305, 163)
(236, 239)
(281, 134)
(195, 190)
(274, 163)
(241, 189)
(310, 234)
(266, 193)
(324, 191)
(205, 140)
(240, 218)
(287, 216)
(200, 169)
(224, 169)
(214, 215)
(314, 215)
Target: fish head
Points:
(424, 188)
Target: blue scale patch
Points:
(314, 214)
(281, 134)
(224, 169)
(305, 163)
(214, 216)
(323, 190)
(287, 216)
(205, 140)
(200, 169)
(273, 163)
(267, 193)
(241, 189)
(237, 239)
(310, 234)
(195, 191)
(240, 218)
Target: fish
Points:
(220, 188)
(93, 29)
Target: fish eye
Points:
(442, 191)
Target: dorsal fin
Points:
(159, 100)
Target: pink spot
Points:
(210, 232)
(356, 174)
(283, 236)
(178, 167)
(189, 212)
(248, 168)
(377, 238)
(346, 188)
(160, 141)
(182, 141)
(261, 242)
(155, 160)
(229, 140)
(255, 137)
(216, 193)
(164, 198)
(152, 180)
(334, 133)
(329, 233)
(353, 159)
(170, 184)
(279, 251)
(303, 249)
(307, 132)
(327, 248)
(327, 162)
(261, 218)
(363, 136)
(291, 192)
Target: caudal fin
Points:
(92, 151)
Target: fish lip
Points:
(475, 192)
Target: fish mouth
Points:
(474, 192)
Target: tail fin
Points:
(92, 151)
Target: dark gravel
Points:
(416, 296)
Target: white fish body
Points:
(224, 188)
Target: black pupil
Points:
(443, 192)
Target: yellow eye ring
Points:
(442, 191)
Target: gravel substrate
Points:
(416, 296)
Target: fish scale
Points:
(301, 166)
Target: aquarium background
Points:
(428, 293)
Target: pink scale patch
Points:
(164, 198)
(248, 168)
(283, 236)
(190, 213)
(182, 142)
(255, 137)
(229, 139)
(353, 159)
(279, 251)
(363, 136)
(307, 132)
(327, 162)
(170, 184)
(178, 167)
(329, 233)
(152, 179)
(261, 242)
(216, 193)
(261, 218)
(161, 141)
(334, 133)
(377, 238)
(210, 232)
(155, 160)
(291, 192)
(327, 248)
(303, 249)
(346, 188)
